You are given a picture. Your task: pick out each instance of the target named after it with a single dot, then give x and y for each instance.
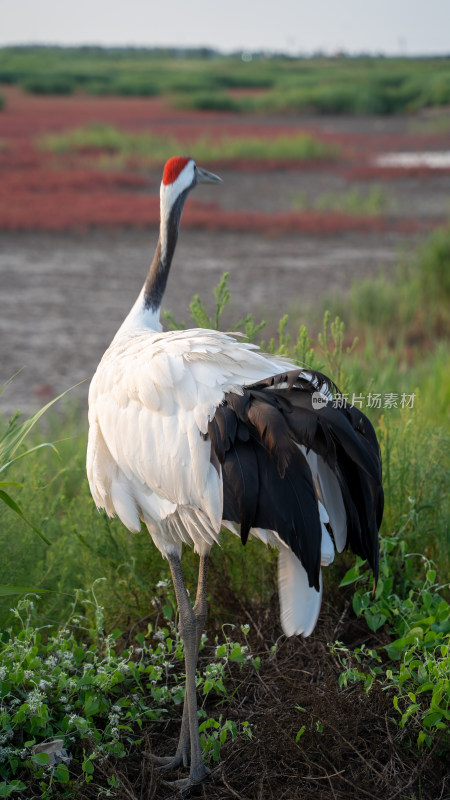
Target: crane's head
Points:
(180, 175)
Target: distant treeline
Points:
(202, 78)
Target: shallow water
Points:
(434, 160)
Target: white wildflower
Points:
(5, 752)
(34, 700)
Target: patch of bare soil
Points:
(62, 297)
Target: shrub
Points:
(433, 265)
(49, 84)
(335, 85)
(135, 86)
(206, 101)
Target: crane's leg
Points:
(191, 625)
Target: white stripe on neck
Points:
(141, 317)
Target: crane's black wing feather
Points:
(267, 482)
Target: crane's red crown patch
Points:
(173, 168)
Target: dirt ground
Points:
(64, 296)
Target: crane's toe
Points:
(184, 786)
(168, 763)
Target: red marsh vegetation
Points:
(44, 190)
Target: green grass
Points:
(201, 78)
(153, 148)
(412, 306)
(372, 203)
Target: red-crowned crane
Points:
(192, 430)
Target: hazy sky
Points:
(389, 26)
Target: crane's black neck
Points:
(160, 267)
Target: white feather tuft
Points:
(299, 603)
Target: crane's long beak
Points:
(203, 176)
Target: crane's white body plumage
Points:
(150, 400)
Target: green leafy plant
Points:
(202, 319)
(332, 349)
(311, 723)
(418, 618)
(73, 684)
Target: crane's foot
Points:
(184, 786)
(182, 756)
